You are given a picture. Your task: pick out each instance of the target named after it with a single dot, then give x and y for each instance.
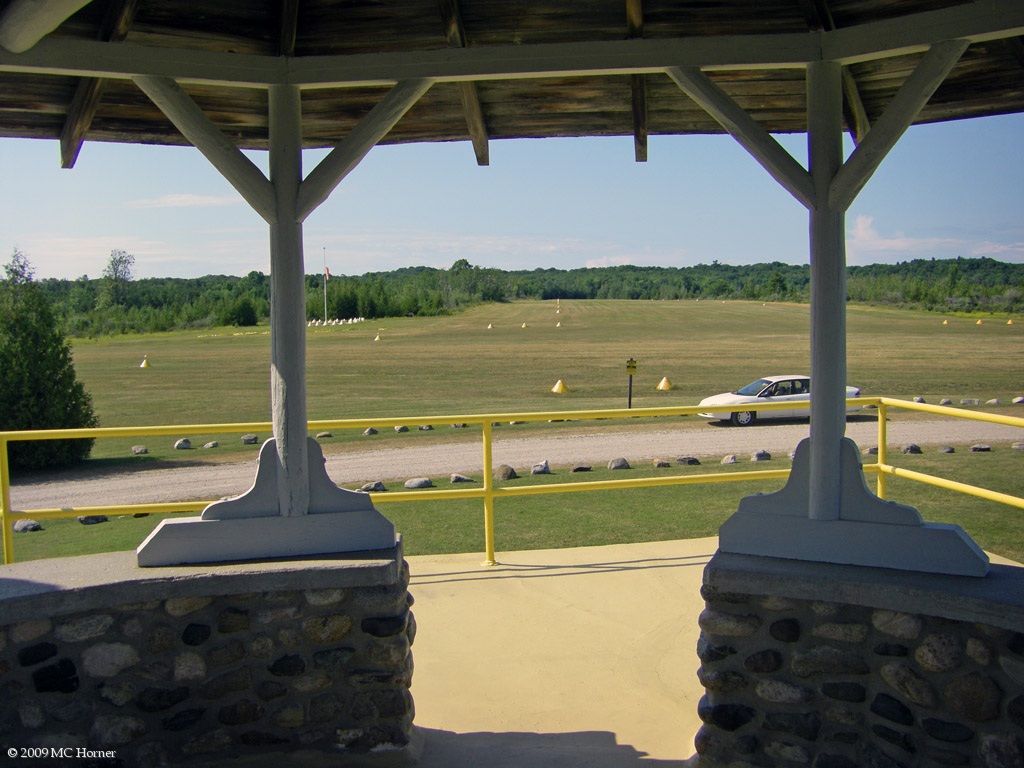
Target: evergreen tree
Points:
(38, 387)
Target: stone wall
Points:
(841, 667)
(156, 666)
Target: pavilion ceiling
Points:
(500, 68)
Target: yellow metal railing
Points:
(488, 492)
(883, 468)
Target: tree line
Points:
(116, 303)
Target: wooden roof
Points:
(499, 68)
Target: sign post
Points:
(630, 369)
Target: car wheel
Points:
(743, 418)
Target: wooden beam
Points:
(1016, 46)
(638, 87)
(904, 107)
(195, 126)
(455, 33)
(25, 22)
(976, 22)
(637, 83)
(819, 18)
(348, 153)
(979, 21)
(755, 139)
(89, 91)
(289, 27)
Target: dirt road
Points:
(394, 465)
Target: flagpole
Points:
(325, 284)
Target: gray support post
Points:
(828, 290)
(287, 304)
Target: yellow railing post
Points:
(5, 504)
(883, 441)
(488, 496)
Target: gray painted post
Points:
(828, 290)
(287, 304)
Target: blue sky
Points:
(955, 189)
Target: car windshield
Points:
(753, 389)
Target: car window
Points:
(799, 387)
(782, 389)
(754, 388)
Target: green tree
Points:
(116, 276)
(240, 312)
(38, 386)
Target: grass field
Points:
(433, 366)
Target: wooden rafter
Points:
(638, 83)
(819, 17)
(84, 103)
(1016, 46)
(455, 33)
(289, 26)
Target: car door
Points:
(782, 392)
(800, 393)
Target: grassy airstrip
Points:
(506, 358)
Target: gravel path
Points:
(211, 481)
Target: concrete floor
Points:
(569, 657)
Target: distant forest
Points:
(93, 306)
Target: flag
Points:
(327, 274)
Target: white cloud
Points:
(1002, 251)
(185, 200)
(865, 244)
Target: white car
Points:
(770, 389)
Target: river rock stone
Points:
(785, 630)
(184, 444)
(761, 455)
(911, 448)
(211, 444)
(974, 696)
(581, 468)
(946, 401)
(541, 468)
(401, 428)
(827, 660)
(109, 659)
(662, 463)
(980, 448)
(375, 487)
(92, 519)
(1002, 750)
(618, 463)
(939, 653)
(903, 679)
(505, 472)
(369, 432)
(947, 449)
(249, 439)
(691, 461)
(901, 625)
(781, 692)
(85, 628)
(457, 478)
(729, 459)
(727, 624)
(25, 525)
(139, 450)
(419, 482)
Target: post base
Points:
(249, 526)
(870, 531)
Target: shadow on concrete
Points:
(582, 749)
(512, 570)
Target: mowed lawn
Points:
(506, 358)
